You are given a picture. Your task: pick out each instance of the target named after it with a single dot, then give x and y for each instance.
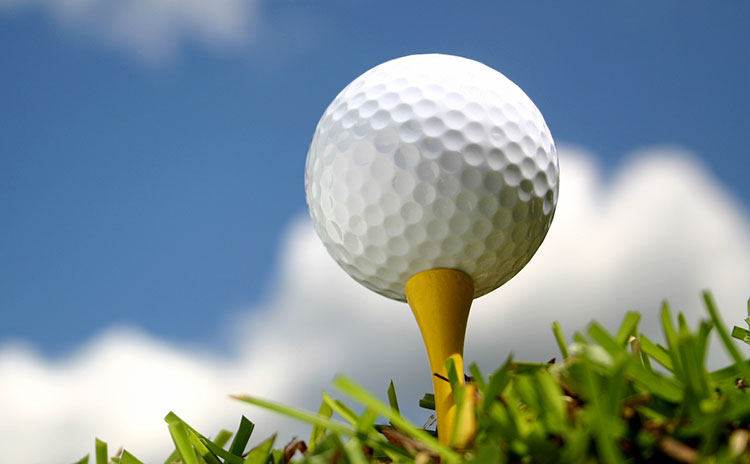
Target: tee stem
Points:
(440, 300)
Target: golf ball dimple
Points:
(431, 161)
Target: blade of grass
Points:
(341, 409)
(174, 457)
(427, 401)
(83, 460)
(702, 340)
(741, 334)
(616, 385)
(392, 400)
(498, 381)
(222, 438)
(318, 431)
(560, 338)
(366, 421)
(201, 448)
(671, 336)
(628, 327)
(550, 396)
(201, 443)
(261, 453)
(179, 432)
(477, 377)
(454, 376)
(465, 428)
(244, 431)
(645, 358)
(725, 336)
(695, 374)
(101, 452)
(172, 417)
(729, 372)
(604, 339)
(658, 385)
(300, 414)
(602, 430)
(523, 367)
(353, 450)
(657, 352)
(219, 452)
(128, 458)
(347, 386)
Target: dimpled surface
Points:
(431, 161)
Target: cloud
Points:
(154, 29)
(661, 227)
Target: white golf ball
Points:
(431, 161)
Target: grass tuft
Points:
(605, 402)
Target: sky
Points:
(153, 224)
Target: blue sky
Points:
(147, 178)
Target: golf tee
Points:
(440, 300)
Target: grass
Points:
(614, 398)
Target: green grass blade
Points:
(201, 448)
(654, 383)
(524, 367)
(645, 358)
(604, 339)
(179, 432)
(222, 438)
(741, 334)
(427, 401)
(101, 452)
(603, 420)
(261, 453)
(354, 453)
(318, 431)
(219, 452)
(172, 417)
(347, 386)
(128, 458)
(525, 388)
(728, 373)
(341, 409)
(174, 457)
(239, 443)
(671, 337)
(724, 335)
(704, 331)
(300, 414)
(392, 400)
(696, 377)
(560, 338)
(205, 448)
(367, 421)
(657, 352)
(477, 377)
(453, 375)
(498, 381)
(83, 460)
(628, 327)
(550, 396)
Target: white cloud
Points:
(661, 228)
(154, 29)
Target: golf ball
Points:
(431, 161)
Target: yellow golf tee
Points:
(440, 300)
